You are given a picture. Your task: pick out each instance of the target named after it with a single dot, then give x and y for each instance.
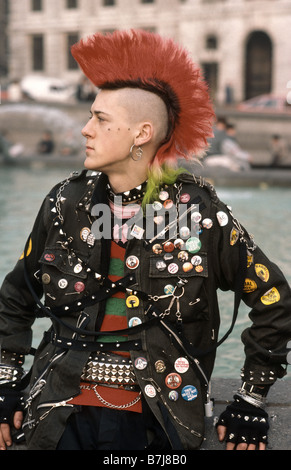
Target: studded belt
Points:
(110, 369)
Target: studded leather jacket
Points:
(180, 324)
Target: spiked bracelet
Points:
(253, 394)
(10, 375)
(11, 359)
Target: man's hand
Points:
(11, 414)
(221, 432)
(243, 426)
(5, 433)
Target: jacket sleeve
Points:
(17, 306)
(266, 291)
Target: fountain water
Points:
(24, 123)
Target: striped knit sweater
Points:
(114, 319)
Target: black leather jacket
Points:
(187, 327)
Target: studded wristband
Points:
(10, 375)
(258, 391)
(251, 400)
(253, 394)
(8, 358)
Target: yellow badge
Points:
(262, 272)
(249, 286)
(250, 259)
(234, 234)
(271, 296)
(132, 301)
(28, 250)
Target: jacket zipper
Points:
(53, 406)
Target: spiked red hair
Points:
(140, 59)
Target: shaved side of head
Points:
(144, 106)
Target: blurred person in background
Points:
(279, 151)
(46, 145)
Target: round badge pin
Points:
(179, 244)
(173, 268)
(183, 255)
(184, 198)
(160, 366)
(196, 260)
(196, 217)
(150, 391)
(157, 205)
(132, 301)
(222, 218)
(63, 283)
(168, 204)
(46, 279)
(193, 245)
(132, 262)
(49, 257)
(173, 380)
(157, 249)
(78, 268)
(189, 393)
(185, 232)
(169, 247)
(199, 268)
(169, 289)
(173, 395)
(187, 267)
(207, 223)
(134, 321)
(158, 220)
(79, 286)
(164, 195)
(181, 365)
(161, 265)
(140, 363)
(84, 233)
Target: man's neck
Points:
(122, 183)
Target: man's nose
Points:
(87, 129)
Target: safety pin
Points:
(195, 302)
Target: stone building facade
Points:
(243, 46)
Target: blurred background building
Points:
(243, 46)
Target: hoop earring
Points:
(138, 153)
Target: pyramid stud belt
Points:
(110, 369)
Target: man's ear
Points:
(144, 133)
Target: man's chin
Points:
(89, 165)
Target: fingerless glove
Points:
(244, 422)
(10, 402)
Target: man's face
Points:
(109, 135)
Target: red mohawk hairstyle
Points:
(140, 59)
